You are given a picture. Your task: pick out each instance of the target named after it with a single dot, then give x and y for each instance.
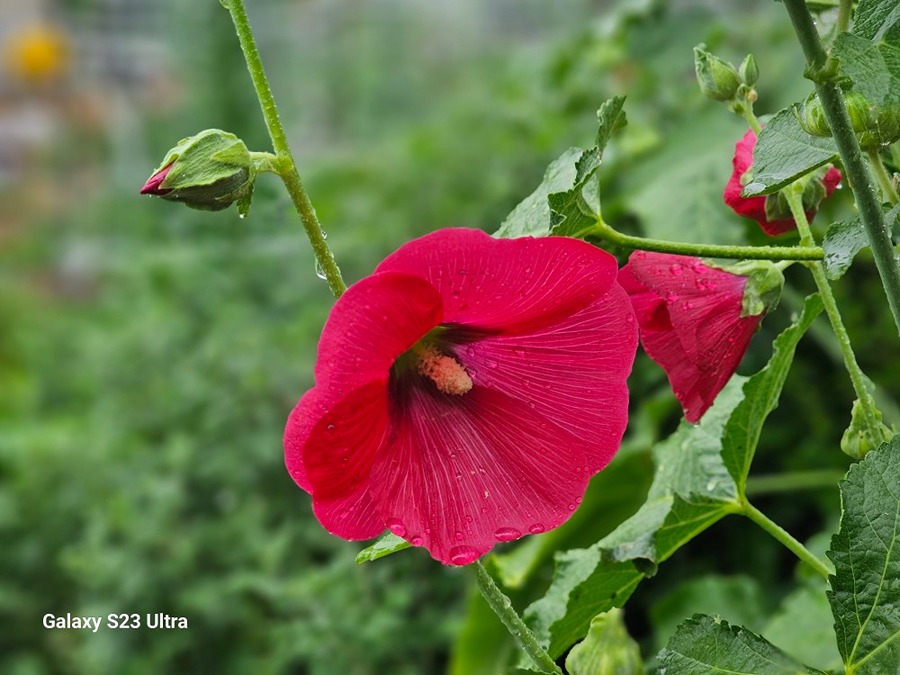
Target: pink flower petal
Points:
(372, 323)
(690, 323)
(571, 373)
(466, 472)
(517, 285)
(338, 456)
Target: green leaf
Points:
(608, 648)
(561, 203)
(761, 394)
(845, 239)
(676, 190)
(705, 645)
(690, 491)
(865, 588)
(784, 152)
(873, 67)
(387, 544)
(574, 210)
(877, 20)
(532, 216)
(739, 599)
(804, 626)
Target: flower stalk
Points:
(603, 231)
(829, 92)
(284, 164)
(785, 538)
(502, 607)
(857, 378)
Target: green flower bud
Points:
(858, 440)
(812, 117)
(749, 71)
(718, 79)
(875, 126)
(209, 171)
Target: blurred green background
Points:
(150, 354)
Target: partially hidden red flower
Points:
(690, 321)
(465, 392)
(152, 186)
(755, 207)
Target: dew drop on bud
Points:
(463, 555)
(319, 271)
(507, 534)
(396, 527)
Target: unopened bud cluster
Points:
(874, 126)
(721, 81)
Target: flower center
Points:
(448, 374)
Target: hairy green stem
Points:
(838, 119)
(794, 198)
(284, 160)
(784, 537)
(603, 231)
(797, 480)
(887, 185)
(504, 610)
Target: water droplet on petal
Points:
(507, 534)
(676, 270)
(519, 352)
(416, 541)
(463, 555)
(330, 427)
(537, 528)
(571, 507)
(459, 536)
(469, 519)
(396, 527)
(492, 364)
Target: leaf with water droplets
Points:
(784, 152)
(845, 239)
(386, 544)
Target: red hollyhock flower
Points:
(689, 317)
(152, 186)
(755, 207)
(466, 392)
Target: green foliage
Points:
(874, 68)
(700, 477)
(387, 544)
(876, 20)
(704, 645)
(761, 393)
(608, 649)
(803, 626)
(865, 588)
(784, 152)
(690, 491)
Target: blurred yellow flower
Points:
(38, 54)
